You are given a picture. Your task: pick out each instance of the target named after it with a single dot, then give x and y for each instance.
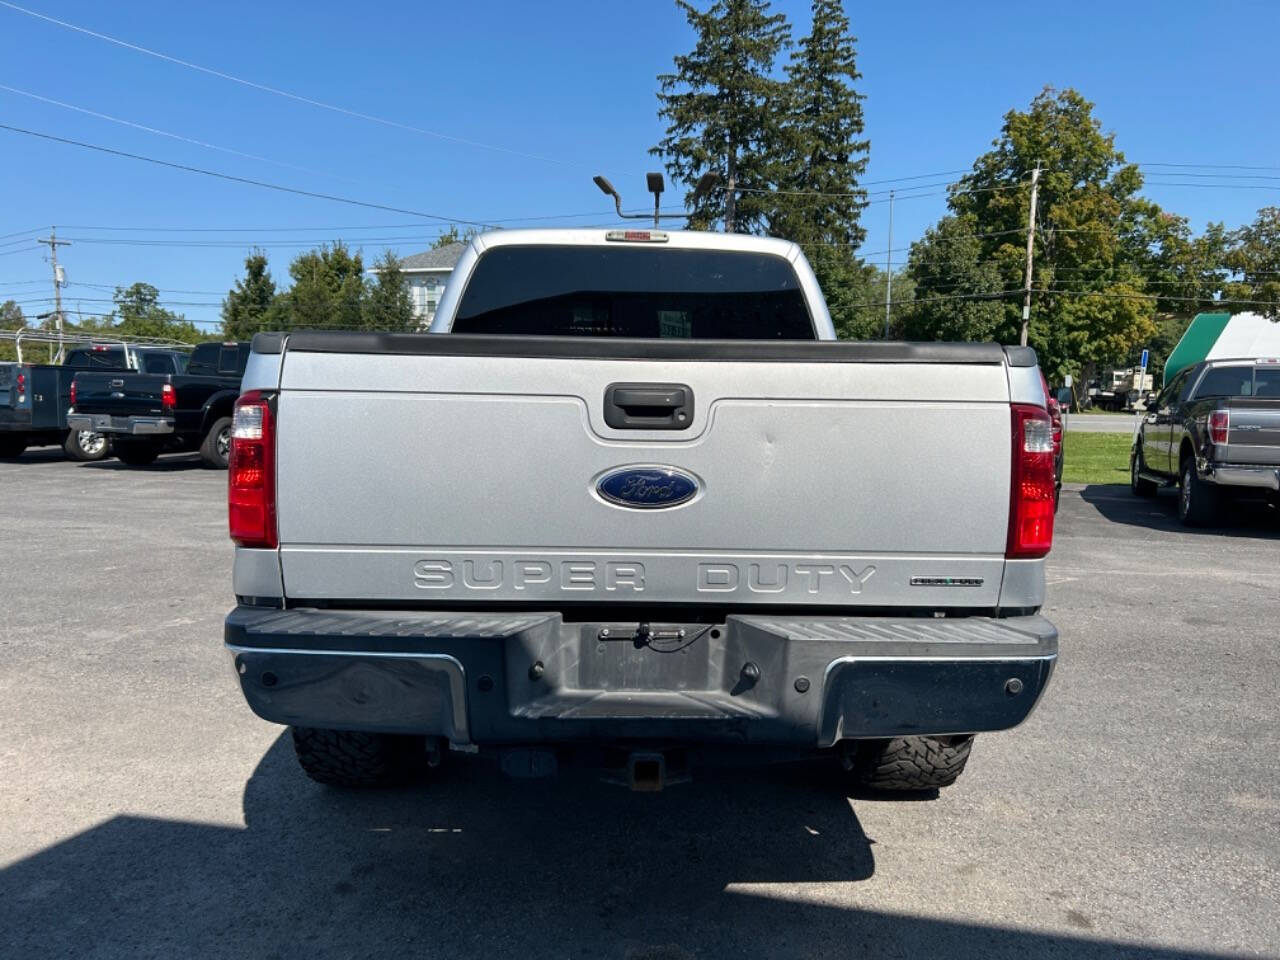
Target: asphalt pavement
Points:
(145, 812)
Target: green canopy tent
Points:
(1221, 336)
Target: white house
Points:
(427, 273)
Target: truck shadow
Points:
(482, 866)
(168, 463)
(1116, 503)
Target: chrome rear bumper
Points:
(106, 423)
(1257, 477)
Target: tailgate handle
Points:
(648, 406)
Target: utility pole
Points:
(1031, 236)
(54, 243)
(888, 270)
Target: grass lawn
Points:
(1096, 458)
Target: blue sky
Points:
(565, 89)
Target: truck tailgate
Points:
(1253, 435)
(463, 476)
(120, 393)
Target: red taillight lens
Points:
(22, 384)
(73, 392)
(251, 473)
(168, 397)
(1219, 426)
(1031, 484)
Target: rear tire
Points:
(1139, 486)
(346, 758)
(1198, 502)
(216, 447)
(85, 446)
(12, 446)
(911, 764)
(136, 454)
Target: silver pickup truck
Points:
(630, 500)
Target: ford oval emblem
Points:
(647, 488)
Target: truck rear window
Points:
(1226, 382)
(107, 358)
(590, 291)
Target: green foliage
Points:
(958, 290)
(138, 314)
(387, 305)
(824, 153)
(252, 305)
(328, 290)
(725, 111)
(452, 235)
(1255, 257)
(11, 318)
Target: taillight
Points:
(168, 397)
(1219, 426)
(22, 384)
(251, 473)
(1031, 484)
(73, 393)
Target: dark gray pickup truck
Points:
(1214, 430)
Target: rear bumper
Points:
(1257, 477)
(530, 678)
(15, 420)
(107, 423)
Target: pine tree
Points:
(724, 111)
(387, 305)
(826, 154)
(248, 307)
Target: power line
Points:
(173, 136)
(358, 226)
(284, 93)
(19, 233)
(1214, 186)
(159, 302)
(234, 179)
(1208, 166)
(1221, 176)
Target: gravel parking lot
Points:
(146, 813)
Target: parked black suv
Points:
(146, 415)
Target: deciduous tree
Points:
(1090, 303)
(328, 290)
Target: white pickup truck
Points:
(630, 499)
